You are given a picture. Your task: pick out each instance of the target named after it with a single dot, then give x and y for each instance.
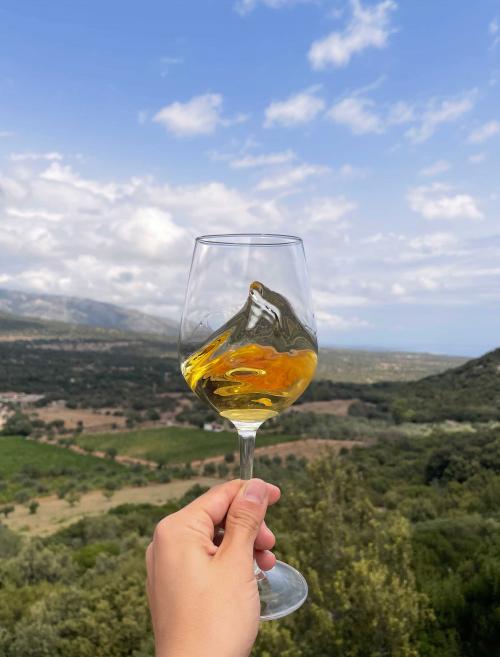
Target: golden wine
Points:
(254, 381)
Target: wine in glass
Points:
(248, 349)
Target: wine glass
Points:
(248, 349)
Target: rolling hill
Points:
(469, 392)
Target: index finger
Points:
(216, 502)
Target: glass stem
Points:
(247, 446)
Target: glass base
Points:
(282, 590)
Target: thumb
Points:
(244, 518)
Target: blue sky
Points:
(372, 129)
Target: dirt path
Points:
(338, 407)
(53, 513)
(308, 447)
(311, 448)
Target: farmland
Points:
(172, 444)
(29, 469)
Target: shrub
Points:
(18, 424)
(209, 469)
(33, 507)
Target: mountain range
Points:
(79, 311)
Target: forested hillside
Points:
(470, 392)
(398, 534)
(400, 543)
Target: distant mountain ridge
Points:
(80, 311)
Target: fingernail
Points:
(255, 490)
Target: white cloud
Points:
(295, 176)
(129, 242)
(357, 114)
(332, 299)
(244, 7)
(151, 232)
(199, 116)
(64, 175)
(166, 63)
(484, 132)
(329, 320)
(398, 290)
(33, 157)
(369, 27)
(437, 113)
(329, 209)
(373, 239)
(436, 168)
(126, 242)
(433, 243)
(362, 116)
(400, 113)
(477, 158)
(297, 109)
(21, 213)
(264, 160)
(350, 172)
(437, 201)
(494, 30)
(5, 134)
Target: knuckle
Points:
(164, 529)
(244, 518)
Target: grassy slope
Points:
(27, 465)
(15, 453)
(173, 444)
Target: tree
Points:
(18, 424)
(363, 600)
(33, 507)
(222, 470)
(209, 469)
(111, 453)
(21, 496)
(72, 498)
(152, 414)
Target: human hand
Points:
(203, 598)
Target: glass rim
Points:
(245, 239)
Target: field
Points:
(18, 453)
(360, 366)
(54, 513)
(29, 469)
(93, 420)
(338, 407)
(172, 444)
